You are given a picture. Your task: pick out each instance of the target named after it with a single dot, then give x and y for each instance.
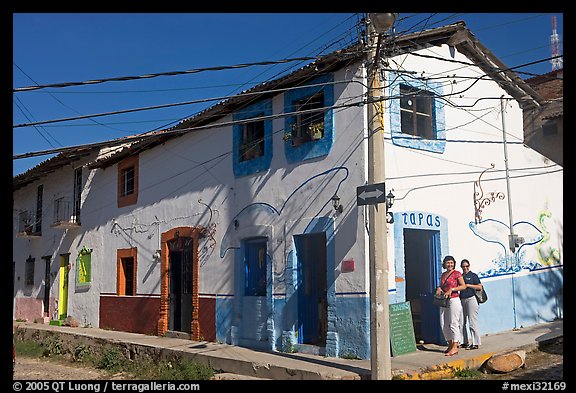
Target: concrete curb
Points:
(446, 370)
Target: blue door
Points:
(421, 261)
(312, 295)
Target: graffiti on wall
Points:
(547, 254)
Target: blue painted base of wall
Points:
(515, 301)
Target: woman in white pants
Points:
(451, 282)
(470, 307)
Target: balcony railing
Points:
(26, 221)
(64, 215)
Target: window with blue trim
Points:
(255, 267)
(309, 133)
(252, 140)
(416, 114)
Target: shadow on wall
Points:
(540, 296)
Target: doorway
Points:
(180, 307)
(47, 285)
(312, 288)
(63, 291)
(421, 258)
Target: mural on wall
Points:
(494, 231)
(229, 241)
(208, 231)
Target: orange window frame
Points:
(130, 199)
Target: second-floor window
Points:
(417, 118)
(309, 129)
(38, 222)
(252, 142)
(416, 112)
(128, 181)
(309, 124)
(252, 138)
(77, 193)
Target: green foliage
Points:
(28, 348)
(81, 353)
(184, 369)
(54, 346)
(467, 374)
(111, 359)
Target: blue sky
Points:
(57, 48)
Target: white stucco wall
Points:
(189, 181)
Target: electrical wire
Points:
(148, 76)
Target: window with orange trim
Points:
(128, 181)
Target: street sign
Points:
(389, 217)
(370, 194)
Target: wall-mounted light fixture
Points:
(390, 199)
(336, 204)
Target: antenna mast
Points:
(557, 62)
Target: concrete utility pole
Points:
(513, 240)
(380, 361)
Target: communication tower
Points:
(556, 61)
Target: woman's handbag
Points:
(481, 295)
(440, 300)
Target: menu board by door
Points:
(402, 338)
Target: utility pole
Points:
(513, 240)
(380, 361)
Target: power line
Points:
(181, 131)
(175, 104)
(170, 73)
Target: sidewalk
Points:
(428, 362)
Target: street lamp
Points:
(336, 204)
(382, 22)
(390, 200)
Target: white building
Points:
(223, 227)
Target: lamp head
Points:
(382, 22)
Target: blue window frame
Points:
(309, 133)
(416, 114)
(255, 262)
(252, 141)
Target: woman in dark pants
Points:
(470, 307)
